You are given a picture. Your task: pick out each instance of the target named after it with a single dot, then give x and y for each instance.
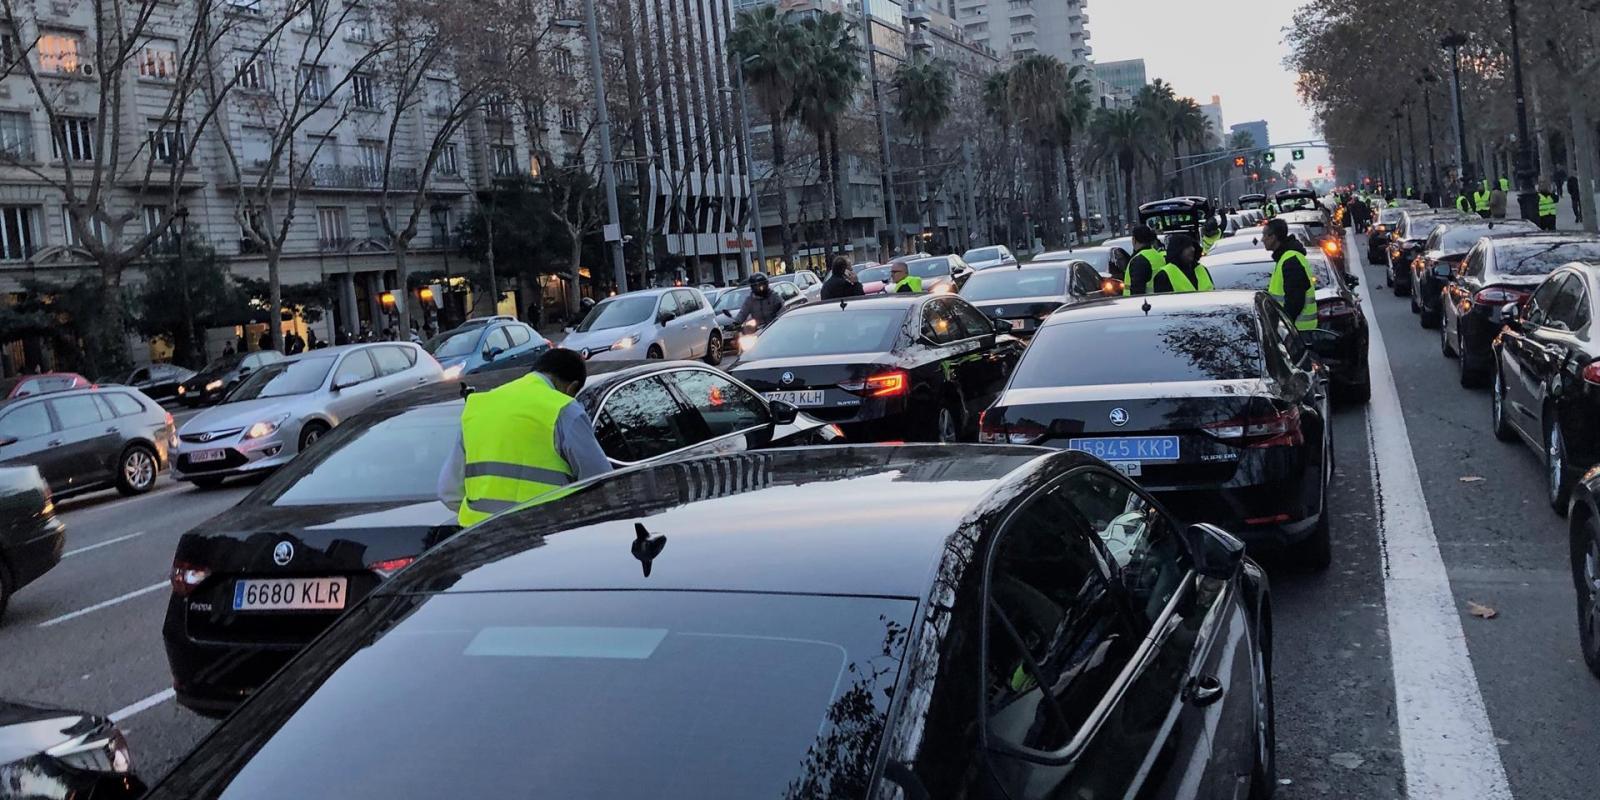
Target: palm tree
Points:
(997, 97)
(1122, 137)
(923, 106)
(1156, 103)
(830, 62)
(1034, 91)
(1186, 126)
(1076, 103)
(766, 44)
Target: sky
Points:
(1230, 48)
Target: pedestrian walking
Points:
(311, 340)
(842, 282)
(1577, 198)
(293, 345)
(522, 440)
(535, 314)
(1548, 203)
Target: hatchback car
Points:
(1027, 295)
(1106, 260)
(1211, 399)
(982, 258)
(32, 538)
(467, 349)
(671, 323)
(213, 382)
(363, 503)
(1017, 623)
(87, 439)
(284, 407)
(892, 367)
(159, 381)
(42, 383)
(1378, 237)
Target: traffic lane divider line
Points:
(106, 604)
(98, 545)
(143, 705)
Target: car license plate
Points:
(1129, 448)
(290, 594)
(202, 456)
(811, 397)
(1131, 469)
(1021, 324)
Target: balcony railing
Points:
(339, 176)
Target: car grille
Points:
(208, 436)
(232, 460)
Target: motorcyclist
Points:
(761, 307)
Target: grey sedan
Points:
(284, 407)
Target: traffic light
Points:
(1255, 176)
(1297, 155)
(1238, 161)
(1319, 169)
(1269, 157)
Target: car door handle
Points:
(53, 443)
(111, 430)
(1202, 690)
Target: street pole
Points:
(749, 169)
(1399, 157)
(1428, 79)
(1411, 139)
(608, 170)
(1526, 199)
(1454, 42)
(890, 211)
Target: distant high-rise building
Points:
(1126, 77)
(1212, 111)
(1022, 27)
(1257, 131)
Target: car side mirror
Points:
(1003, 326)
(1215, 552)
(665, 317)
(1324, 343)
(1511, 314)
(1351, 281)
(492, 353)
(783, 413)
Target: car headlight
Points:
(746, 341)
(266, 427)
(181, 389)
(944, 288)
(453, 371)
(625, 342)
(214, 385)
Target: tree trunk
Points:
(1583, 143)
(783, 189)
(636, 113)
(402, 290)
(105, 340)
(825, 177)
(839, 182)
(574, 256)
(275, 297)
(1133, 208)
(1072, 186)
(1177, 165)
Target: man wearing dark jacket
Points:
(1147, 259)
(1183, 272)
(1577, 198)
(762, 306)
(1291, 283)
(841, 283)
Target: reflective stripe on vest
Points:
(1180, 282)
(1463, 204)
(1155, 258)
(1307, 320)
(1547, 205)
(909, 282)
(509, 435)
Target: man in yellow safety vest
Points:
(1548, 204)
(1147, 260)
(1293, 286)
(1183, 272)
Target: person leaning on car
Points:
(521, 440)
(841, 283)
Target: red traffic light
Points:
(1255, 176)
(1238, 161)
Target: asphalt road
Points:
(1368, 704)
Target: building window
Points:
(569, 118)
(563, 63)
(504, 159)
(438, 96)
(10, 48)
(154, 216)
(360, 29)
(375, 221)
(159, 60)
(440, 219)
(449, 160)
(58, 52)
(496, 108)
(331, 231)
(249, 6)
(251, 73)
(16, 233)
(16, 135)
(74, 137)
(362, 91)
(371, 151)
(256, 148)
(315, 79)
(311, 18)
(166, 142)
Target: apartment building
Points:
(1018, 28)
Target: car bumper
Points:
(32, 558)
(238, 459)
(1478, 329)
(1266, 515)
(1428, 291)
(213, 677)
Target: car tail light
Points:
(186, 577)
(884, 384)
(1591, 373)
(390, 566)
(1275, 430)
(1335, 309)
(1111, 286)
(1331, 246)
(1499, 296)
(1000, 432)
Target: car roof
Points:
(1180, 304)
(902, 300)
(875, 520)
(1541, 237)
(339, 350)
(602, 376)
(8, 403)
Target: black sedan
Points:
(1026, 295)
(1342, 346)
(51, 754)
(1441, 256)
(1010, 622)
(253, 585)
(31, 539)
(893, 367)
(1406, 243)
(87, 439)
(1498, 272)
(1210, 399)
(212, 383)
(159, 381)
(1378, 238)
(1547, 377)
(1584, 536)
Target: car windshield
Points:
(1389, 216)
(1297, 204)
(731, 300)
(995, 284)
(284, 378)
(983, 254)
(870, 274)
(224, 363)
(1542, 258)
(1422, 227)
(1256, 275)
(372, 459)
(929, 267)
(596, 694)
(619, 312)
(829, 332)
(1220, 344)
(453, 344)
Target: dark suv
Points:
(85, 439)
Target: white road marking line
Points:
(143, 705)
(113, 601)
(98, 545)
(1446, 740)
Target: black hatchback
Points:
(904, 366)
(836, 623)
(253, 585)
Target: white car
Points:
(805, 280)
(285, 406)
(670, 323)
(981, 258)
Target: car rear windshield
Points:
(986, 254)
(1422, 227)
(829, 333)
(870, 274)
(284, 378)
(995, 284)
(929, 267)
(44, 385)
(372, 459)
(1542, 258)
(453, 344)
(1460, 239)
(1217, 345)
(1256, 275)
(619, 312)
(665, 695)
(1097, 257)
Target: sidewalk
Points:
(1565, 221)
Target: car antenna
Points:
(842, 305)
(1146, 306)
(646, 547)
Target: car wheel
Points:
(1431, 319)
(1557, 476)
(209, 482)
(655, 353)
(310, 434)
(1471, 378)
(1444, 341)
(1360, 393)
(1585, 574)
(1264, 775)
(1415, 309)
(714, 349)
(136, 470)
(1497, 405)
(947, 426)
